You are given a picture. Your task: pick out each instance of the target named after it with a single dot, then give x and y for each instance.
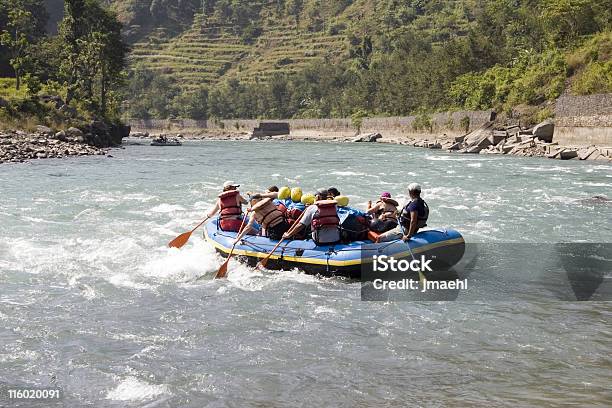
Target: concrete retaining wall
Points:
(162, 125)
(584, 120)
(579, 120)
(443, 122)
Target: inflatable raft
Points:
(444, 247)
(173, 142)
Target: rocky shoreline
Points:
(17, 146)
(491, 138)
(512, 140)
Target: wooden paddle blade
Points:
(181, 240)
(262, 264)
(222, 272)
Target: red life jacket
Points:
(282, 208)
(230, 211)
(326, 215)
(293, 215)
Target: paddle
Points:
(222, 272)
(422, 277)
(264, 262)
(182, 239)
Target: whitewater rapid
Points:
(92, 299)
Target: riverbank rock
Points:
(44, 130)
(544, 131)
(74, 133)
(18, 146)
(568, 154)
(61, 135)
(140, 135)
(367, 138)
(584, 154)
(476, 136)
(100, 134)
(493, 138)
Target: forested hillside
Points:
(72, 77)
(337, 58)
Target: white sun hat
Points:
(230, 184)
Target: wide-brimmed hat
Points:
(230, 184)
(386, 198)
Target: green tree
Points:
(294, 9)
(357, 119)
(564, 20)
(17, 38)
(94, 54)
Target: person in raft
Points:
(229, 204)
(413, 216)
(296, 207)
(354, 223)
(268, 216)
(271, 192)
(280, 197)
(322, 217)
(332, 193)
(384, 213)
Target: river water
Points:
(92, 301)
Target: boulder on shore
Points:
(368, 137)
(45, 130)
(544, 131)
(140, 135)
(568, 154)
(61, 135)
(584, 153)
(475, 137)
(74, 132)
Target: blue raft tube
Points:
(444, 247)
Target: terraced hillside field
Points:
(210, 51)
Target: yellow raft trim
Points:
(331, 262)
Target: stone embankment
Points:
(18, 146)
(512, 140)
(488, 139)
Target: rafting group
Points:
(324, 216)
(320, 233)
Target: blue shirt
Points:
(417, 205)
(298, 205)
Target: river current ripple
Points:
(92, 300)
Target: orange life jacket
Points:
(267, 214)
(282, 207)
